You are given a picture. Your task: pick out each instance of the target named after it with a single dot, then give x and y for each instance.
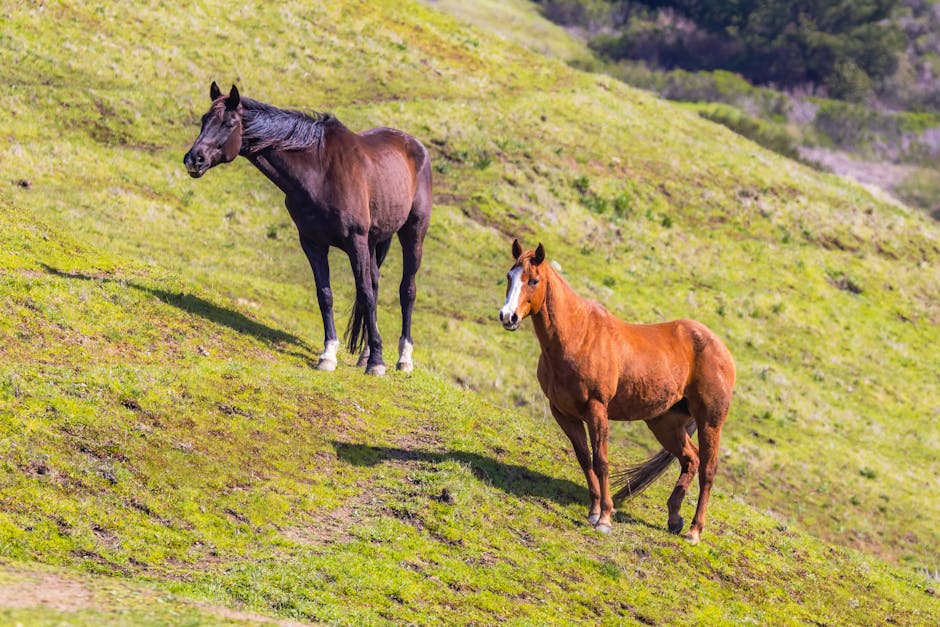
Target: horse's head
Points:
(526, 290)
(220, 139)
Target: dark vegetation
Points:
(809, 80)
(845, 49)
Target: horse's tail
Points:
(355, 336)
(634, 479)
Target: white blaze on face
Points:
(512, 300)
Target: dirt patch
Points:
(45, 591)
(225, 612)
(326, 528)
(883, 176)
(33, 590)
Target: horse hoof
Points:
(676, 528)
(603, 528)
(593, 518)
(377, 370)
(405, 351)
(326, 364)
(692, 537)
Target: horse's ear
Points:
(539, 255)
(231, 103)
(214, 91)
(516, 249)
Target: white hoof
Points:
(593, 518)
(692, 537)
(405, 349)
(605, 529)
(328, 365)
(328, 356)
(377, 370)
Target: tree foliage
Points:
(848, 46)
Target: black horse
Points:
(350, 190)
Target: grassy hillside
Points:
(165, 435)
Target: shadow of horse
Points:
(510, 478)
(513, 479)
(201, 307)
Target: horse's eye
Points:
(533, 282)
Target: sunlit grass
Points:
(162, 423)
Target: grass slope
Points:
(162, 423)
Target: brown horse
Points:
(675, 376)
(353, 191)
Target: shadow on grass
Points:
(510, 478)
(200, 307)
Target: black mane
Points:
(266, 126)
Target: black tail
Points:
(633, 480)
(355, 336)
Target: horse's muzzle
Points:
(510, 322)
(196, 166)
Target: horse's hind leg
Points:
(671, 431)
(709, 439)
(411, 237)
(361, 259)
(574, 429)
(378, 256)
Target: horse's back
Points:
(391, 148)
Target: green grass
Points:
(520, 22)
(162, 428)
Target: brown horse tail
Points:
(634, 479)
(355, 336)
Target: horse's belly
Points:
(388, 218)
(631, 407)
(634, 398)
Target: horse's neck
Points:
(294, 169)
(560, 322)
(273, 166)
(284, 170)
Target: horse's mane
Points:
(266, 126)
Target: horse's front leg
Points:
(317, 255)
(599, 431)
(365, 270)
(574, 429)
